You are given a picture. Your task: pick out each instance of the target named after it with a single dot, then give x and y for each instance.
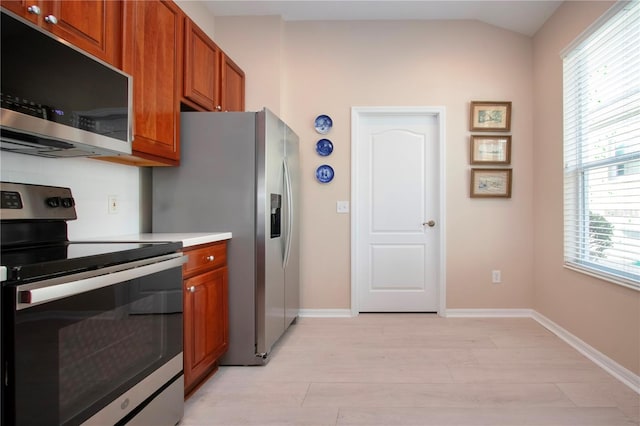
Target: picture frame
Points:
(490, 116)
(491, 183)
(494, 150)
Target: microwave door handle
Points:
(108, 277)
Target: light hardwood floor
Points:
(415, 369)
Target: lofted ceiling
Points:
(522, 16)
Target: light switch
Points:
(342, 207)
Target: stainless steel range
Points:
(91, 332)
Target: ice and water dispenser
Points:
(276, 209)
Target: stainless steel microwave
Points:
(58, 101)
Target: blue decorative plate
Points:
(324, 173)
(324, 147)
(323, 124)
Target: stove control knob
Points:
(54, 201)
(68, 202)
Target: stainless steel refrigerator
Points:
(239, 172)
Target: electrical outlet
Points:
(496, 277)
(114, 204)
(342, 206)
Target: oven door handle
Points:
(49, 290)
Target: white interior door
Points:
(397, 256)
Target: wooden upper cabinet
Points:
(170, 59)
(232, 86)
(30, 10)
(94, 26)
(201, 68)
(153, 56)
(212, 81)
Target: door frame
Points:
(356, 114)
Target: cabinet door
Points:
(152, 55)
(206, 334)
(30, 10)
(94, 26)
(201, 68)
(232, 86)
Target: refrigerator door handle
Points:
(289, 217)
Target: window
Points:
(602, 149)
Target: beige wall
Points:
(327, 67)
(605, 315)
(303, 69)
(256, 45)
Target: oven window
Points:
(100, 350)
(76, 355)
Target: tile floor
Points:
(416, 369)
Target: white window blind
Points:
(602, 150)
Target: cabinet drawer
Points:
(205, 257)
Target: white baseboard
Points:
(325, 313)
(488, 313)
(621, 373)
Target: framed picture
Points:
(490, 149)
(490, 183)
(490, 116)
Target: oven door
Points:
(93, 346)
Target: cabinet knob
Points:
(210, 258)
(51, 19)
(191, 289)
(33, 9)
(219, 108)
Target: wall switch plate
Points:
(496, 277)
(114, 204)
(342, 207)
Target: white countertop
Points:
(188, 239)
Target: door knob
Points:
(431, 223)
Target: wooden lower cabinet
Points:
(206, 326)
